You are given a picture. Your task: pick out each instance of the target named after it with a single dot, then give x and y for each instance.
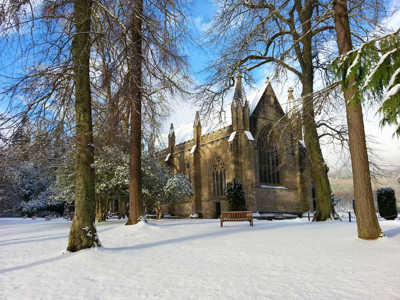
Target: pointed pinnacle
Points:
(197, 119)
(171, 130)
(238, 94)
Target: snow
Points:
(380, 62)
(196, 259)
(274, 215)
(393, 91)
(256, 99)
(355, 62)
(249, 135)
(193, 149)
(232, 137)
(393, 78)
(273, 187)
(168, 156)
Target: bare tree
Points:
(146, 40)
(283, 34)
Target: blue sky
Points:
(182, 113)
(201, 15)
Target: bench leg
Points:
(222, 223)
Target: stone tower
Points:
(242, 149)
(171, 149)
(196, 163)
(171, 139)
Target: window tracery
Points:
(268, 158)
(218, 177)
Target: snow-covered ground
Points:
(196, 259)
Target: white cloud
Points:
(201, 25)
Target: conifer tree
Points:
(354, 70)
(83, 232)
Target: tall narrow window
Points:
(268, 158)
(218, 177)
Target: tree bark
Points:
(121, 207)
(367, 222)
(83, 232)
(136, 59)
(101, 208)
(319, 172)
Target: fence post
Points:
(349, 217)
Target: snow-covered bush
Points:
(387, 203)
(42, 204)
(31, 207)
(112, 178)
(63, 188)
(112, 171)
(178, 188)
(154, 179)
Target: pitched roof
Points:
(263, 94)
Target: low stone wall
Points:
(183, 209)
(209, 208)
(279, 200)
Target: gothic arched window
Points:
(268, 158)
(218, 177)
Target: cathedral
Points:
(261, 149)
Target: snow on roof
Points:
(232, 137)
(184, 132)
(255, 99)
(168, 157)
(249, 135)
(264, 186)
(193, 149)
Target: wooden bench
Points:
(236, 216)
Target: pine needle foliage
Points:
(375, 66)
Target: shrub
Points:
(178, 188)
(235, 195)
(387, 203)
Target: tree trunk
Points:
(136, 58)
(101, 208)
(367, 222)
(319, 171)
(83, 232)
(121, 207)
(99, 215)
